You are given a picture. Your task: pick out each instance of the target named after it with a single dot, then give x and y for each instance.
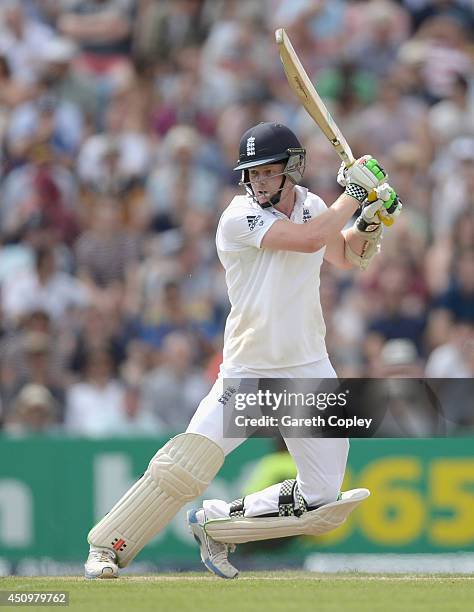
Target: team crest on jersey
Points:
(252, 220)
(251, 146)
(306, 215)
(225, 397)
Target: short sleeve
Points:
(239, 229)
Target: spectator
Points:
(453, 117)
(183, 104)
(34, 412)
(400, 308)
(232, 55)
(166, 28)
(43, 287)
(173, 390)
(180, 182)
(458, 300)
(12, 92)
(393, 118)
(398, 358)
(175, 314)
(99, 330)
(438, 268)
(455, 359)
(95, 405)
(42, 367)
(57, 71)
(113, 162)
(46, 119)
(459, 153)
(22, 40)
(107, 253)
(41, 193)
(456, 303)
(102, 29)
(34, 352)
(455, 9)
(446, 54)
(375, 50)
(135, 421)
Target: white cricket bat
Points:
(310, 99)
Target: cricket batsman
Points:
(271, 242)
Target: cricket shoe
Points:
(213, 554)
(101, 563)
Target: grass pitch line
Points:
(251, 577)
(261, 592)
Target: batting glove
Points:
(341, 175)
(392, 205)
(386, 205)
(364, 176)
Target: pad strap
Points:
(237, 508)
(286, 504)
(290, 501)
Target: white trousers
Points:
(320, 462)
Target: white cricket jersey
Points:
(276, 319)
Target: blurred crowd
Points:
(119, 129)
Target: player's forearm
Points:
(360, 245)
(322, 229)
(355, 240)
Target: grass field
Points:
(260, 592)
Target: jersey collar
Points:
(301, 195)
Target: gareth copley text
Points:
(287, 420)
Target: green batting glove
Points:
(392, 205)
(373, 165)
(364, 176)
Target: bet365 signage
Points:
(422, 497)
(53, 490)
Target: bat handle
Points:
(388, 221)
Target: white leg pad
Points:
(177, 474)
(238, 530)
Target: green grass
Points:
(260, 592)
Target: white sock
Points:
(99, 549)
